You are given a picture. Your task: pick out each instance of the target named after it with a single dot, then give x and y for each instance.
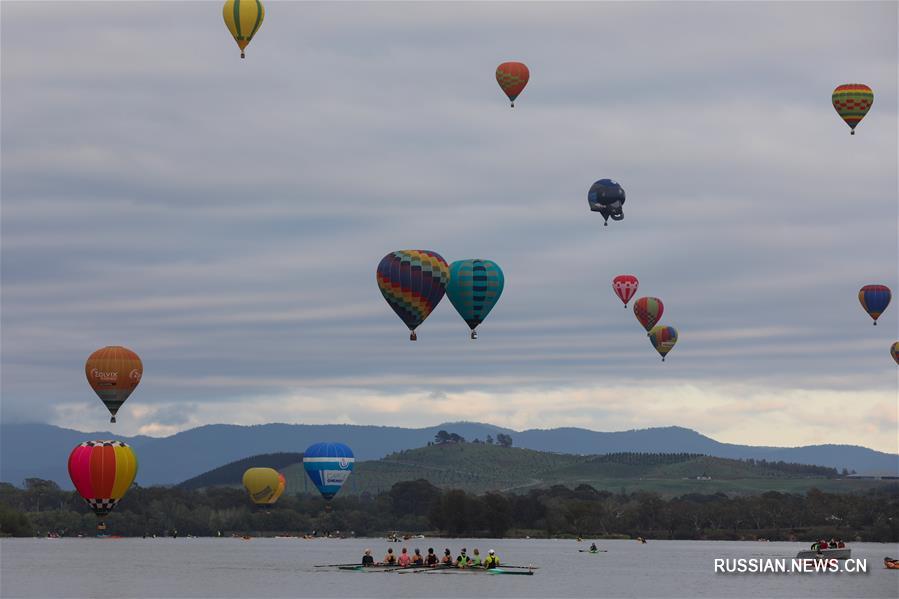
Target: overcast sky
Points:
(224, 217)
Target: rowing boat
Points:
(438, 569)
(592, 550)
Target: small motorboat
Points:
(890, 563)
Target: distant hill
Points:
(232, 473)
(41, 450)
(479, 468)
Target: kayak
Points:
(592, 550)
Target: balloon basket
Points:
(112, 420)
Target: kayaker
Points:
(431, 560)
(492, 560)
(390, 558)
(404, 560)
(593, 547)
(447, 559)
(367, 559)
(476, 558)
(463, 561)
(418, 559)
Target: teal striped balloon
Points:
(474, 288)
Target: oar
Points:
(335, 565)
(524, 567)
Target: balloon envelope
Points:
(663, 339)
(261, 484)
(648, 311)
(243, 19)
(607, 197)
(852, 101)
(113, 372)
(874, 299)
(625, 287)
(474, 288)
(328, 466)
(413, 283)
(512, 78)
(894, 351)
(102, 471)
(282, 484)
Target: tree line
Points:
(41, 507)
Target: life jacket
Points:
(491, 562)
(462, 561)
(475, 561)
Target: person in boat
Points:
(593, 547)
(476, 558)
(816, 546)
(841, 544)
(431, 560)
(390, 558)
(418, 559)
(367, 559)
(404, 560)
(447, 559)
(492, 560)
(463, 560)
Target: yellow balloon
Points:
(261, 484)
(282, 484)
(243, 19)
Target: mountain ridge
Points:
(41, 450)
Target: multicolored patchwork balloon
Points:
(113, 372)
(413, 283)
(852, 102)
(329, 466)
(474, 288)
(625, 287)
(894, 351)
(243, 19)
(874, 299)
(512, 77)
(663, 339)
(648, 311)
(261, 484)
(102, 472)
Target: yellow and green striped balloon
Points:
(852, 102)
(243, 18)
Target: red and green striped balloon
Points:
(648, 311)
(852, 102)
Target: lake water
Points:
(284, 568)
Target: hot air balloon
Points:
(512, 77)
(102, 472)
(261, 484)
(243, 18)
(413, 283)
(606, 197)
(852, 102)
(663, 339)
(282, 484)
(625, 287)
(474, 288)
(874, 299)
(648, 311)
(894, 351)
(113, 372)
(328, 466)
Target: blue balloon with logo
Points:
(328, 466)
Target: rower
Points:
(418, 559)
(404, 560)
(593, 547)
(492, 560)
(476, 559)
(463, 560)
(367, 559)
(390, 558)
(447, 559)
(431, 560)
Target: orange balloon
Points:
(113, 372)
(512, 77)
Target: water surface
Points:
(272, 568)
